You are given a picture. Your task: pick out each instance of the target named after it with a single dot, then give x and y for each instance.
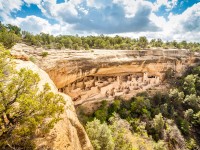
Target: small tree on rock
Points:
(24, 109)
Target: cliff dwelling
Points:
(92, 76)
(108, 87)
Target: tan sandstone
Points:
(104, 74)
(67, 134)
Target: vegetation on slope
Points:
(169, 120)
(164, 121)
(10, 34)
(25, 111)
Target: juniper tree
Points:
(24, 109)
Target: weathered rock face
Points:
(68, 133)
(99, 74)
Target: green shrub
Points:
(44, 54)
(23, 108)
(33, 59)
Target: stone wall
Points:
(102, 87)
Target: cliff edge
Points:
(68, 133)
(93, 75)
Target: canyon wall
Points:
(105, 74)
(68, 133)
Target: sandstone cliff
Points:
(67, 134)
(104, 74)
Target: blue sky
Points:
(165, 19)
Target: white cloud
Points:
(1, 5)
(180, 27)
(188, 20)
(63, 11)
(131, 18)
(101, 16)
(32, 2)
(37, 25)
(99, 4)
(82, 9)
(169, 4)
(132, 6)
(160, 21)
(33, 24)
(8, 6)
(185, 25)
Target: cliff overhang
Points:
(105, 74)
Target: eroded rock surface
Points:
(68, 133)
(103, 74)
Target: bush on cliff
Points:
(9, 35)
(25, 111)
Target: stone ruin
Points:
(105, 74)
(98, 87)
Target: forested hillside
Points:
(165, 120)
(10, 34)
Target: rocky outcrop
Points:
(103, 74)
(95, 75)
(68, 133)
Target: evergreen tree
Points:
(23, 107)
